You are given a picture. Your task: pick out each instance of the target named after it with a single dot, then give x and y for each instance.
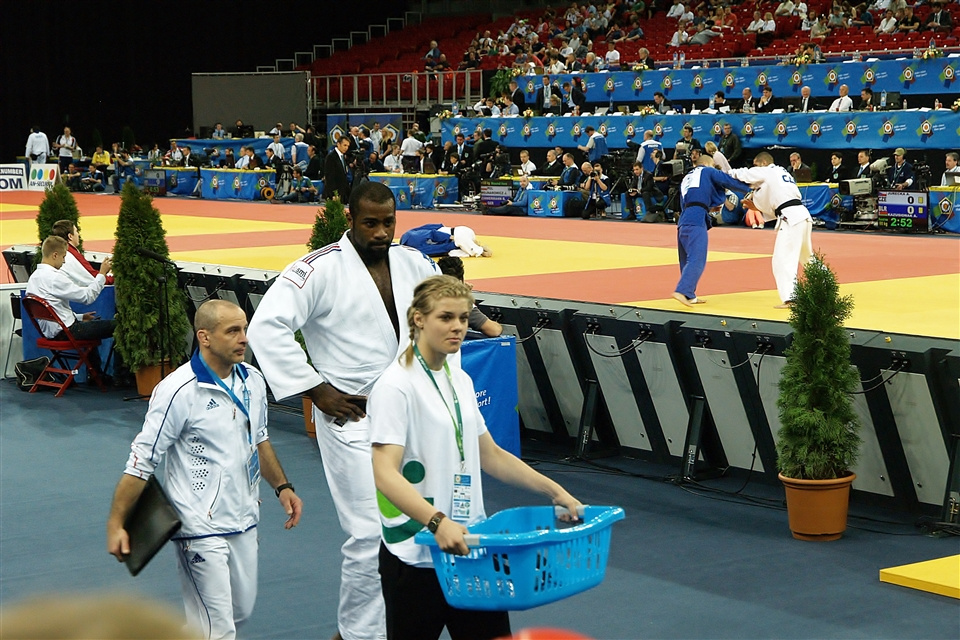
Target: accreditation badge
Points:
(253, 468)
(461, 497)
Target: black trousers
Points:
(417, 610)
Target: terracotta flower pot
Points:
(817, 509)
(308, 422)
(149, 377)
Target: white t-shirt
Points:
(405, 409)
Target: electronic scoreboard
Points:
(907, 211)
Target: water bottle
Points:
(683, 58)
(933, 43)
(936, 103)
(721, 63)
(916, 52)
(904, 103)
(744, 62)
(676, 58)
(455, 108)
(713, 101)
(883, 99)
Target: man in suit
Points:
(838, 171)
(866, 100)
(516, 95)
(543, 103)
(314, 169)
(805, 102)
(938, 20)
(797, 165)
(463, 151)
(749, 103)
(767, 102)
(660, 103)
(189, 159)
(483, 149)
(552, 167)
(863, 158)
(570, 177)
(634, 185)
(335, 180)
(730, 145)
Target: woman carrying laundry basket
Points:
(429, 444)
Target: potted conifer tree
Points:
(819, 438)
(58, 204)
(152, 322)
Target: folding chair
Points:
(64, 351)
(17, 331)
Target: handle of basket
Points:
(559, 511)
(471, 539)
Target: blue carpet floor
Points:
(685, 563)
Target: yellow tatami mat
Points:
(941, 576)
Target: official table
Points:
(550, 204)
(425, 190)
(238, 184)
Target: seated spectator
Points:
(54, 286)
(75, 264)
(173, 157)
(866, 100)
(888, 24)
(189, 159)
(450, 165)
(442, 64)
(768, 32)
(938, 19)
(644, 61)
(612, 58)
(155, 156)
(680, 36)
(273, 162)
(253, 160)
(785, 8)
(393, 163)
(908, 22)
(301, 189)
(472, 62)
(705, 33)
(71, 177)
(864, 19)
(229, 160)
(552, 167)
(757, 24)
(276, 131)
(767, 102)
(527, 167)
(634, 33)
(93, 180)
(555, 65)
(517, 205)
(239, 129)
(570, 176)
(900, 174)
(590, 63)
(819, 30)
(676, 10)
(797, 164)
(100, 159)
(844, 102)
(432, 56)
(218, 133)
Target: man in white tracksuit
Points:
(775, 195)
(210, 418)
(349, 300)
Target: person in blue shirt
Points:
(596, 146)
(518, 205)
(702, 189)
(570, 177)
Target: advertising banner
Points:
(492, 363)
(13, 177)
(43, 177)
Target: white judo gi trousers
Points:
(793, 247)
(345, 451)
(218, 578)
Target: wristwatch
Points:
(285, 485)
(434, 522)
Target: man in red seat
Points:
(75, 266)
(53, 285)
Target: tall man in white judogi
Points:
(349, 301)
(775, 195)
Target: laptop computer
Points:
(517, 171)
(600, 111)
(624, 109)
(803, 175)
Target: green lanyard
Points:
(458, 421)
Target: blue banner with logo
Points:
(425, 191)
(181, 182)
(945, 208)
(933, 76)
(221, 184)
(549, 204)
(913, 129)
(492, 363)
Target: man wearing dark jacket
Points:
(335, 181)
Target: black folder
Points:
(150, 524)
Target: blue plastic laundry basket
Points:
(524, 557)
